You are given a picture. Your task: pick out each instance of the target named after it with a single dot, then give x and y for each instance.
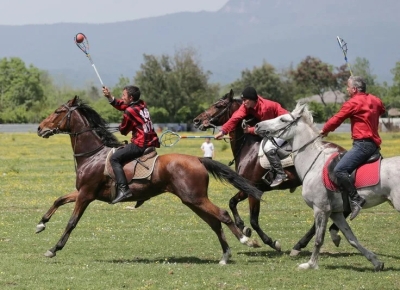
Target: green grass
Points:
(163, 245)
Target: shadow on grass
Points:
(165, 260)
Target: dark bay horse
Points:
(185, 176)
(245, 149)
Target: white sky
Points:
(20, 12)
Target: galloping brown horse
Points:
(183, 175)
(245, 149)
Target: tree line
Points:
(177, 88)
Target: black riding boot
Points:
(122, 187)
(277, 166)
(356, 201)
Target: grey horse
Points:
(310, 155)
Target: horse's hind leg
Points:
(233, 202)
(80, 207)
(70, 197)
(254, 214)
(213, 216)
(341, 222)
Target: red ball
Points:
(79, 37)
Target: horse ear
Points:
(231, 94)
(75, 100)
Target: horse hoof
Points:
(40, 227)
(222, 262)
(307, 266)
(294, 253)
(50, 254)
(335, 238)
(379, 267)
(247, 232)
(277, 246)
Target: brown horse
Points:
(245, 149)
(183, 175)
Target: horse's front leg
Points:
(80, 206)
(233, 202)
(70, 197)
(254, 205)
(320, 222)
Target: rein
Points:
(75, 134)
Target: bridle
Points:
(210, 119)
(67, 116)
(287, 127)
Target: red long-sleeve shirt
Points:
(364, 111)
(263, 110)
(136, 119)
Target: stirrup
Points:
(279, 180)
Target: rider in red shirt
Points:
(136, 119)
(363, 110)
(262, 109)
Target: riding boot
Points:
(122, 188)
(277, 166)
(356, 201)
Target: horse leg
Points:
(70, 197)
(339, 219)
(233, 202)
(214, 216)
(254, 214)
(320, 222)
(80, 207)
(333, 230)
(303, 242)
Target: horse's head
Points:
(218, 113)
(59, 120)
(283, 126)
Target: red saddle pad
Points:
(366, 175)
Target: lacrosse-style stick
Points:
(343, 47)
(83, 45)
(169, 138)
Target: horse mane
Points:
(99, 125)
(307, 116)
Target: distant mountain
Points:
(240, 35)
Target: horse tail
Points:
(223, 173)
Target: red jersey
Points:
(137, 120)
(364, 111)
(263, 110)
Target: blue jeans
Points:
(361, 151)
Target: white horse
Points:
(310, 155)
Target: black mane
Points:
(100, 126)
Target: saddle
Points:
(366, 175)
(283, 152)
(139, 168)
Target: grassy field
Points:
(163, 245)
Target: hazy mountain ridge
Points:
(240, 35)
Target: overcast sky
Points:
(20, 12)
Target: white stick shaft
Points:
(97, 73)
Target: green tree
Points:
(175, 87)
(21, 90)
(267, 82)
(314, 77)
